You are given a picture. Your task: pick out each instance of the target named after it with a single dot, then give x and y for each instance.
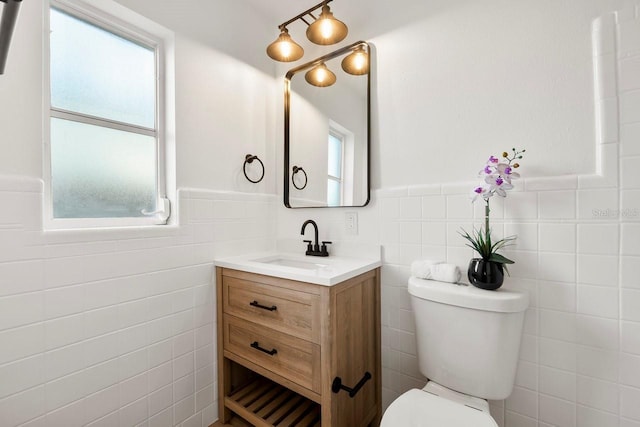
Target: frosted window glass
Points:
(98, 73)
(333, 193)
(335, 156)
(101, 172)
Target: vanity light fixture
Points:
(324, 30)
(357, 62)
(284, 49)
(320, 76)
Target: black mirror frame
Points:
(287, 109)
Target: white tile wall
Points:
(629, 398)
(557, 412)
(629, 136)
(557, 354)
(557, 238)
(600, 239)
(557, 205)
(116, 327)
(630, 107)
(577, 253)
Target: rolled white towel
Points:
(422, 268)
(445, 273)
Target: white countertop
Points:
(325, 271)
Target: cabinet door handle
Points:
(337, 385)
(264, 307)
(271, 352)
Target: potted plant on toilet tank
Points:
(487, 272)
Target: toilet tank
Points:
(468, 338)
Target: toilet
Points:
(468, 343)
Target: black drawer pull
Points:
(264, 350)
(264, 307)
(337, 385)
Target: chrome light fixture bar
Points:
(323, 30)
(7, 24)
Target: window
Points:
(105, 147)
(335, 168)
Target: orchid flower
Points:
(488, 170)
(498, 185)
(481, 191)
(506, 172)
(496, 177)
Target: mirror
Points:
(326, 135)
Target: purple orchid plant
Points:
(497, 176)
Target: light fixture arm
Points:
(305, 21)
(302, 15)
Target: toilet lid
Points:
(417, 408)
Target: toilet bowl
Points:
(468, 342)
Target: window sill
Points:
(54, 234)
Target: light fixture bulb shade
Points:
(326, 29)
(284, 49)
(357, 62)
(320, 76)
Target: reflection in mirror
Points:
(299, 181)
(327, 132)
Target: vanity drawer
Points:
(285, 310)
(292, 358)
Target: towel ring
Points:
(249, 158)
(297, 169)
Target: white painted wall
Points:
(21, 98)
(224, 91)
(474, 76)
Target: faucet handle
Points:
(309, 247)
(323, 248)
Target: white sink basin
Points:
(319, 270)
(288, 262)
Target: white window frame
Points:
(348, 161)
(340, 136)
(106, 20)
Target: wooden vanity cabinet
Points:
(283, 344)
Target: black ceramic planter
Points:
(485, 274)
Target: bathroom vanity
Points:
(298, 341)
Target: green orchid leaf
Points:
(499, 258)
(480, 241)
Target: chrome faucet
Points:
(315, 249)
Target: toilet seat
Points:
(421, 408)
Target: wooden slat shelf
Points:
(264, 403)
